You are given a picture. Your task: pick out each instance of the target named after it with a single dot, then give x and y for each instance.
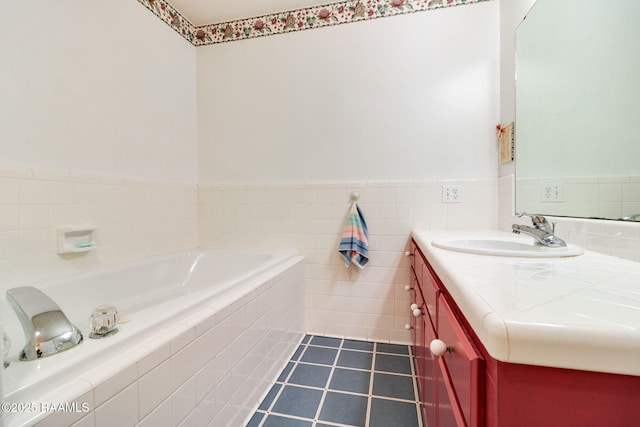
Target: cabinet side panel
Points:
(567, 396)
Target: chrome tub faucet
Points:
(542, 231)
(47, 330)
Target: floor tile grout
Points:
(306, 375)
(370, 396)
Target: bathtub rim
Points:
(208, 311)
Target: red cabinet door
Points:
(430, 290)
(417, 329)
(462, 370)
(449, 413)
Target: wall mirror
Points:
(578, 109)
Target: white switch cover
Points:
(452, 194)
(551, 192)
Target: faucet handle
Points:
(533, 217)
(538, 221)
(104, 321)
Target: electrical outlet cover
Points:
(551, 192)
(452, 194)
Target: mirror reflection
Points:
(578, 109)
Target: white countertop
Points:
(578, 312)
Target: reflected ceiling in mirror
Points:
(578, 109)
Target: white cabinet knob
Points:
(407, 326)
(407, 288)
(439, 348)
(414, 306)
(407, 253)
(417, 312)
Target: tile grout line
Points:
(284, 383)
(370, 396)
(375, 351)
(416, 395)
(316, 419)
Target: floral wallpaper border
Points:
(295, 20)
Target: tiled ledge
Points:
(61, 175)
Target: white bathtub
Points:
(199, 320)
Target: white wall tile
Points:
(160, 417)
(115, 384)
(616, 238)
(154, 387)
(184, 364)
(34, 192)
(183, 401)
(130, 224)
(82, 406)
(120, 410)
(9, 191)
(392, 209)
(87, 421)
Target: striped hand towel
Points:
(354, 246)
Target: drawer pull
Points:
(414, 306)
(439, 348)
(417, 312)
(407, 288)
(408, 326)
(408, 254)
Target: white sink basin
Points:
(514, 247)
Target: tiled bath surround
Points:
(371, 304)
(134, 219)
(213, 367)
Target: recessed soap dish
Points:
(76, 239)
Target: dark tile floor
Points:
(336, 382)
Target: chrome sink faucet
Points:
(47, 330)
(542, 231)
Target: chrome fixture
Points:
(104, 321)
(634, 217)
(542, 231)
(47, 330)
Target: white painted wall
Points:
(97, 112)
(409, 97)
(102, 87)
(391, 108)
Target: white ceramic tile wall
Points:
(370, 304)
(617, 238)
(606, 197)
(135, 219)
(211, 369)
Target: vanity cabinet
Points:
(450, 369)
(466, 387)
